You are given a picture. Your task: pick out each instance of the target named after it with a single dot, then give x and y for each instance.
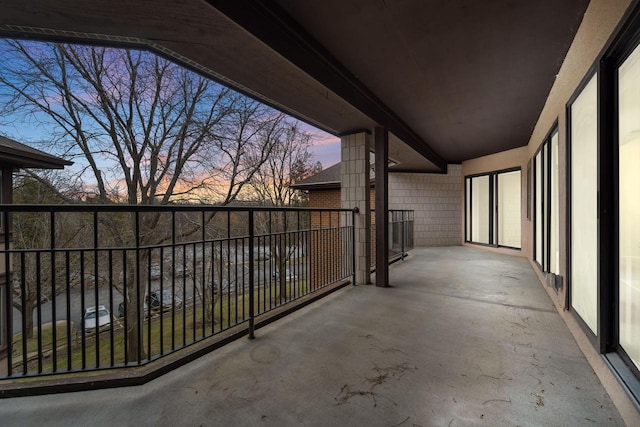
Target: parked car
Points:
(122, 309)
(96, 320)
(153, 300)
(164, 300)
(288, 275)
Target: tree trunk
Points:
(27, 309)
(135, 309)
(135, 349)
(282, 269)
(135, 321)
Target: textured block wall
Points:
(437, 201)
(354, 192)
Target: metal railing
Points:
(111, 286)
(400, 234)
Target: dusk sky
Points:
(325, 147)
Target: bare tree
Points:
(38, 277)
(290, 162)
(143, 130)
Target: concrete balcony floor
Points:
(465, 337)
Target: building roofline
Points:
(19, 155)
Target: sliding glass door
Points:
(584, 204)
(480, 225)
(546, 202)
(629, 206)
(493, 209)
(509, 209)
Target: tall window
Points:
(539, 218)
(546, 243)
(584, 204)
(481, 210)
(509, 187)
(629, 206)
(493, 209)
(3, 281)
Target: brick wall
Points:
(328, 259)
(325, 198)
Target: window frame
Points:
(594, 338)
(494, 236)
(545, 151)
(614, 352)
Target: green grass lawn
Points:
(163, 334)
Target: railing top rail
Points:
(397, 210)
(158, 208)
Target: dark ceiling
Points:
(451, 80)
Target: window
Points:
(539, 204)
(603, 229)
(509, 215)
(493, 209)
(546, 226)
(480, 197)
(629, 206)
(584, 203)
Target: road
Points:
(186, 292)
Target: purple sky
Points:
(325, 148)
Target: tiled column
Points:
(355, 176)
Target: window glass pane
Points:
(545, 212)
(509, 209)
(629, 204)
(468, 212)
(554, 230)
(480, 214)
(2, 322)
(538, 207)
(1, 198)
(584, 238)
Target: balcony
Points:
(108, 288)
(463, 337)
(171, 278)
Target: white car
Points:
(100, 318)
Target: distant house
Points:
(13, 156)
(323, 188)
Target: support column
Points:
(355, 178)
(381, 137)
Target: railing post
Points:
(355, 211)
(8, 297)
(402, 231)
(251, 278)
